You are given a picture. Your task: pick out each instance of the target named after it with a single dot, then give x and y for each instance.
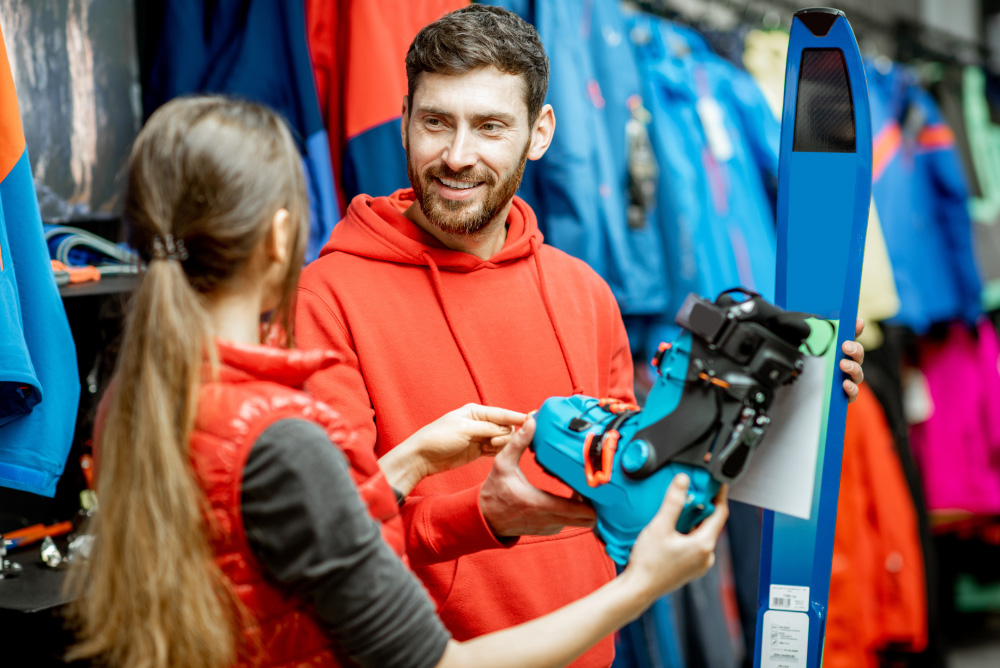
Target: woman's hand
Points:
(454, 439)
(856, 352)
(662, 558)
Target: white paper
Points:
(782, 473)
(785, 642)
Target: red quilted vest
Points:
(256, 386)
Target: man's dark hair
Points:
(481, 36)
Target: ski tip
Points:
(819, 20)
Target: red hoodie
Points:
(424, 330)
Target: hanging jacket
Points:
(424, 330)
(599, 160)
(39, 383)
(918, 185)
(256, 387)
(253, 50)
(983, 138)
(764, 56)
(878, 597)
(945, 83)
(359, 60)
(958, 446)
(878, 298)
(984, 148)
(716, 142)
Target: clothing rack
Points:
(903, 39)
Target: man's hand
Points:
(514, 507)
(856, 352)
(453, 440)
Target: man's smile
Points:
(459, 185)
(457, 190)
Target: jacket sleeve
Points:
(952, 202)
(439, 527)
(311, 530)
(443, 527)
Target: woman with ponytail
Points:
(231, 531)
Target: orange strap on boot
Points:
(609, 444)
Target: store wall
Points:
(958, 17)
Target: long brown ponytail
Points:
(211, 173)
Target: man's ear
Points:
(405, 120)
(278, 246)
(541, 132)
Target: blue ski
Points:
(824, 188)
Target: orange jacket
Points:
(877, 586)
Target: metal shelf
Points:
(105, 286)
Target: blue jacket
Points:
(579, 189)
(255, 50)
(922, 198)
(716, 142)
(39, 383)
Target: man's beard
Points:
(463, 216)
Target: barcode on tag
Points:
(788, 597)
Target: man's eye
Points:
(490, 127)
(433, 122)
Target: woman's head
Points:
(215, 204)
(214, 173)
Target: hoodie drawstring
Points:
(577, 388)
(438, 292)
(436, 281)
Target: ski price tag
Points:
(786, 639)
(787, 597)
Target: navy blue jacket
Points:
(254, 50)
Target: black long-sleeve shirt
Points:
(307, 524)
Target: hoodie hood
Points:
(375, 227)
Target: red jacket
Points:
(877, 592)
(359, 64)
(253, 390)
(424, 330)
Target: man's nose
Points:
(460, 153)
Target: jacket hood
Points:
(375, 227)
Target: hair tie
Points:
(166, 248)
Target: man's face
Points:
(467, 138)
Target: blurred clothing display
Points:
(878, 299)
(358, 58)
(39, 386)
(716, 142)
(957, 446)
(662, 179)
(253, 50)
(919, 188)
(877, 591)
(595, 189)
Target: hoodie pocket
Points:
(496, 589)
